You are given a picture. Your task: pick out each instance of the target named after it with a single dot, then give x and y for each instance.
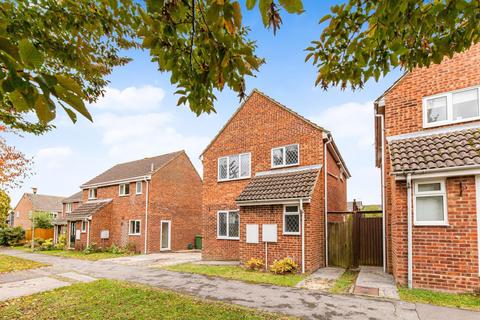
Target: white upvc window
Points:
(84, 226)
(291, 220)
(124, 189)
(68, 207)
(233, 167)
(138, 187)
(451, 107)
(228, 225)
(286, 156)
(92, 193)
(430, 205)
(134, 228)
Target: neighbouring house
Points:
(355, 205)
(69, 204)
(30, 202)
(427, 133)
(149, 205)
(263, 172)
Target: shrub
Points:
(254, 264)
(92, 248)
(42, 219)
(61, 242)
(47, 245)
(115, 249)
(11, 236)
(284, 266)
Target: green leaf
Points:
(251, 4)
(237, 14)
(72, 100)
(43, 109)
(29, 54)
(70, 113)
(292, 6)
(70, 84)
(264, 6)
(19, 102)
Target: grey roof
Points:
(87, 209)
(437, 151)
(44, 202)
(280, 186)
(59, 222)
(133, 169)
(76, 197)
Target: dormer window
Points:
(234, 167)
(285, 156)
(92, 193)
(452, 107)
(124, 189)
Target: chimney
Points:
(151, 168)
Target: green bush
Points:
(284, 266)
(47, 245)
(42, 219)
(254, 264)
(61, 242)
(92, 248)
(11, 236)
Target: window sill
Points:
(228, 180)
(285, 166)
(92, 198)
(444, 123)
(138, 194)
(135, 234)
(228, 238)
(124, 195)
(291, 233)
(431, 224)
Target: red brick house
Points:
(69, 204)
(30, 202)
(151, 205)
(264, 178)
(427, 143)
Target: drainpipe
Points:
(382, 126)
(88, 232)
(409, 231)
(303, 234)
(325, 200)
(146, 215)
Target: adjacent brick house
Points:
(265, 169)
(429, 125)
(30, 202)
(159, 197)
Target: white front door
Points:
(165, 228)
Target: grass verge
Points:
(464, 301)
(107, 299)
(77, 254)
(9, 264)
(238, 273)
(345, 282)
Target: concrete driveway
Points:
(161, 259)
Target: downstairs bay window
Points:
(430, 203)
(228, 225)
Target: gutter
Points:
(114, 182)
(325, 199)
(409, 232)
(382, 129)
(272, 201)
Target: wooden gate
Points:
(355, 239)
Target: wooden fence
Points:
(39, 233)
(355, 239)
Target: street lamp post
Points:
(34, 191)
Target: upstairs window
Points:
(124, 189)
(138, 187)
(285, 156)
(430, 203)
(68, 207)
(92, 193)
(451, 107)
(234, 167)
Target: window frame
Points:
(419, 194)
(239, 167)
(130, 227)
(283, 165)
(138, 183)
(449, 96)
(84, 223)
(68, 207)
(285, 213)
(227, 237)
(90, 193)
(124, 190)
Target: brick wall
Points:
(403, 114)
(257, 127)
(24, 207)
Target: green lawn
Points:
(78, 254)
(107, 299)
(464, 301)
(9, 264)
(238, 273)
(345, 282)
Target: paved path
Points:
(293, 301)
(374, 278)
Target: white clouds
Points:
(52, 157)
(131, 99)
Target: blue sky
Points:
(139, 117)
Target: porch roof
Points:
(59, 222)
(86, 209)
(280, 185)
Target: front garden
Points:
(10, 264)
(107, 299)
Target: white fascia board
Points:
(273, 201)
(440, 173)
(115, 182)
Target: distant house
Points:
(427, 129)
(69, 204)
(151, 205)
(355, 204)
(264, 179)
(35, 202)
